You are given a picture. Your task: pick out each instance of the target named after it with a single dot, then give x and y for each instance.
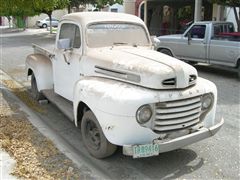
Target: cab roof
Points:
(213, 22)
(85, 18)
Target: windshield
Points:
(108, 34)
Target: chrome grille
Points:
(176, 115)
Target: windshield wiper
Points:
(122, 43)
(119, 43)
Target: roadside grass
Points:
(36, 156)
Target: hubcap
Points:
(93, 135)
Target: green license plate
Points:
(146, 150)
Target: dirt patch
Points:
(36, 156)
(22, 94)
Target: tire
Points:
(238, 72)
(35, 93)
(44, 25)
(166, 51)
(93, 137)
(193, 63)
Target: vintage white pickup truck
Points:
(105, 76)
(208, 42)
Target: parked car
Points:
(105, 76)
(46, 22)
(208, 42)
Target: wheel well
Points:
(30, 72)
(82, 107)
(164, 48)
(238, 63)
(159, 50)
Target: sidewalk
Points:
(11, 32)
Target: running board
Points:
(65, 106)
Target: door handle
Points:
(65, 58)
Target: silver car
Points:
(46, 22)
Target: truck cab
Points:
(120, 91)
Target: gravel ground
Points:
(36, 156)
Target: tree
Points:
(23, 8)
(77, 3)
(234, 4)
(48, 6)
(13, 8)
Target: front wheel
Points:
(239, 72)
(93, 137)
(166, 51)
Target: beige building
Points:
(171, 16)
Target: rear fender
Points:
(41, 66)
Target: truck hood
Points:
(172, 36)
(140, 66)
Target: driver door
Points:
(66, 65)
(194, 47)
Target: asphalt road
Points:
(214, 158)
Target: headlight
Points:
(144, 114)
(207, 101)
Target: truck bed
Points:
(46, 51)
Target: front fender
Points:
(41, 66)
(115, 104)
(112, 96)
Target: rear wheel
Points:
(35, 93)
(166, 51)
(239, 71)
(93, 137)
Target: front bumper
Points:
(181, 141)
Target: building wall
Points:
(230, 16)
(4, 21)
(129, 6)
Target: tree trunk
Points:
(50, 20)
(69, 9)
(237, 18)
(77, 8)
(9, 21)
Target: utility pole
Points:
(198, 10)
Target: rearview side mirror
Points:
(155, 40)
(64, 44)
